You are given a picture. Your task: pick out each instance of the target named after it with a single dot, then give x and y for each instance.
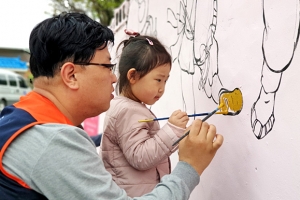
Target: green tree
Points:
(100, 10)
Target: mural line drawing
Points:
(280, 38)
(195, 51)
(196, 23)
(146, 21)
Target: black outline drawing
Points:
(196, 24)
(146, 22)
(280, 38)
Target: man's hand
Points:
(179, 118)
(200, 146)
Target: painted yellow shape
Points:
(232, 100)
(221, 105)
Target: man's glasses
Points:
(109, 66)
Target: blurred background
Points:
(18, 18)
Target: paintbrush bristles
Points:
(146, 120)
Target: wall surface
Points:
(242, 53)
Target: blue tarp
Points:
(13, 63)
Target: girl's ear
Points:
(132, 75)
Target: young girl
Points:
(137, 153)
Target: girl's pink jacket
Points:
(136, 153)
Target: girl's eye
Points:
(159, 80)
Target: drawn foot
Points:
(262, 114)
(233, 101)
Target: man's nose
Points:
(114, 80)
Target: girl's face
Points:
(151, 87)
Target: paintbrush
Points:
(203, 120)
(164, 118)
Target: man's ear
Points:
(132, 75)
(68, 75)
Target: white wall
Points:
(247, 166)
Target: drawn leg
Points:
(182, 49)
(281, 19)
(206, 48)
(187, 73)
(209, 80)
(206, 59)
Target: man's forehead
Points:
(103, 53)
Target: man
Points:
(44, 155)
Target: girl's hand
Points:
(179, 118)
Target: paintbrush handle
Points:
(200, 114)
(203, 120)
(163, 118)
(193, 115)
(177, 141)
(209, 115)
